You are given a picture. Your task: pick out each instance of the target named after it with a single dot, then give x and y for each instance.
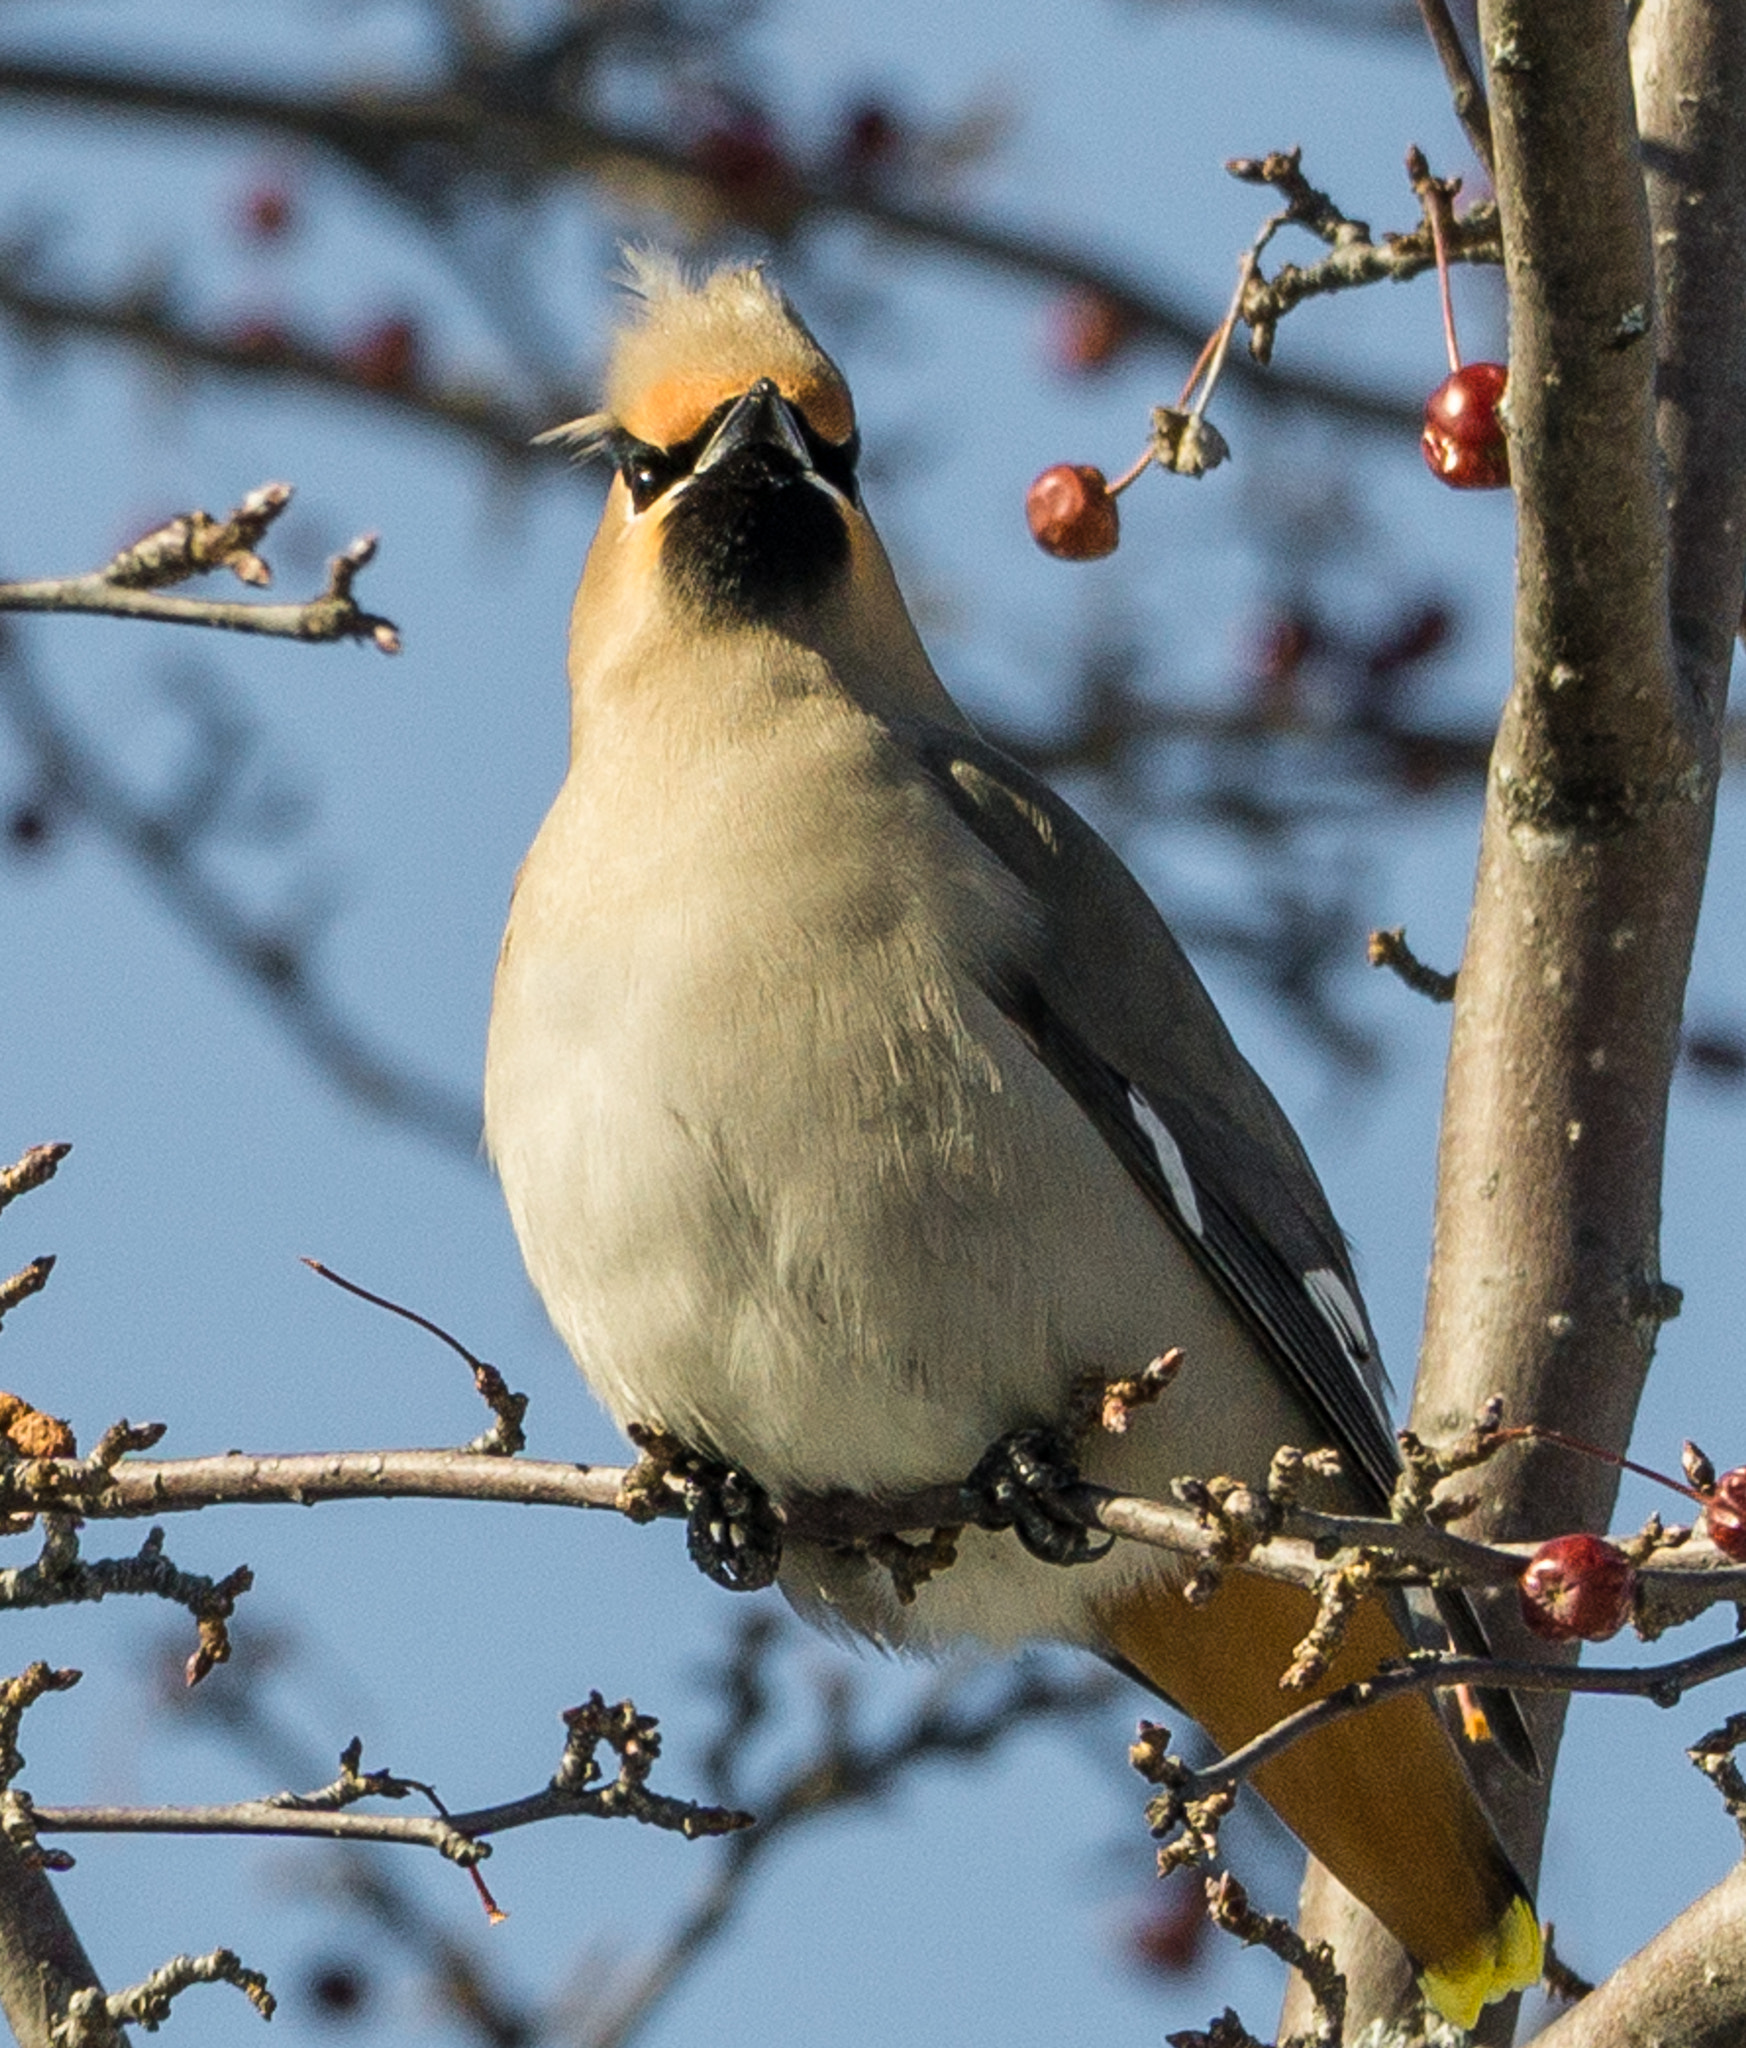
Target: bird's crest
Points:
(689, 344)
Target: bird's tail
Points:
(1380, 1798)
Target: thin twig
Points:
(1467, 94)
(1354, 259)
(505, 1437)
(1437, 197)
(846, 1768)
(61, 1577)
(1390, 949)
(128, 586)
(1664, 1684)
(503, 432)
(28, 1280)
(1228, 1906)
(36, 1166)
(91, 2019)
(573, 1792)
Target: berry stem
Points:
(1538, 1432)
(1200, 363)
(1438, 244)
(1436, 196)
(1210, 362)
(1128, 476)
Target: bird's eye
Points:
(647, 472)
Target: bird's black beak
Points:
(761, 419)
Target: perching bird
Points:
(853, 1104)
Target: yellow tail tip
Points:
(1510, 1959)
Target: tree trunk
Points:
(1628, 446)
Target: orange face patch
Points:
(672, 409)
(825, 404)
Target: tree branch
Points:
(505, 432)
(571, 1794)
(1466, 93)
(1685, 1989)
(130, 586)
(373, 131)
(1677, 1578)
(1691, 86)
(42, 1961)
(1546, 1284)
(93, 2021)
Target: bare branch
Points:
(1467, 94)
(1678, 1576)
(328, 1814)
(1227, 1905)
(845, 1768)
(1187, 1791)
(504, 432)
(91, 2019)
(1354, 258)
(130, 586)
(505, 1437)
(37, 1166)
(43, 1966)
(1685, 1989)
(61, 1577)
(1714, 1756)
(1390, 949)
(28, 1280)
(374, 132)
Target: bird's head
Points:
(735, 505)
(733, 437)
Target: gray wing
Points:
(1149, 1059)
(1147, 1056)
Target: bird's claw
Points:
(1013, 1487)
(731, 1529)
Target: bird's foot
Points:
(1014, 1487)
(731, 1530)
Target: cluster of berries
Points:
(1071, 507)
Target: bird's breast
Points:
(789, 1183)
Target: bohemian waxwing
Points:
(853, 1105)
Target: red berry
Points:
(742, 156)
(266, 213)
(1088, 330)
(267, 340)
(1172, 1932)
(1072, 514)
(384, 356)
(1288, 642)
(1725, 1514)
(872, 136)
(1577, 1586)
(1464, 440)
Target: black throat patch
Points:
(753, 536)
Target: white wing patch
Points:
(1170, 1162)
(1333, 1298)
